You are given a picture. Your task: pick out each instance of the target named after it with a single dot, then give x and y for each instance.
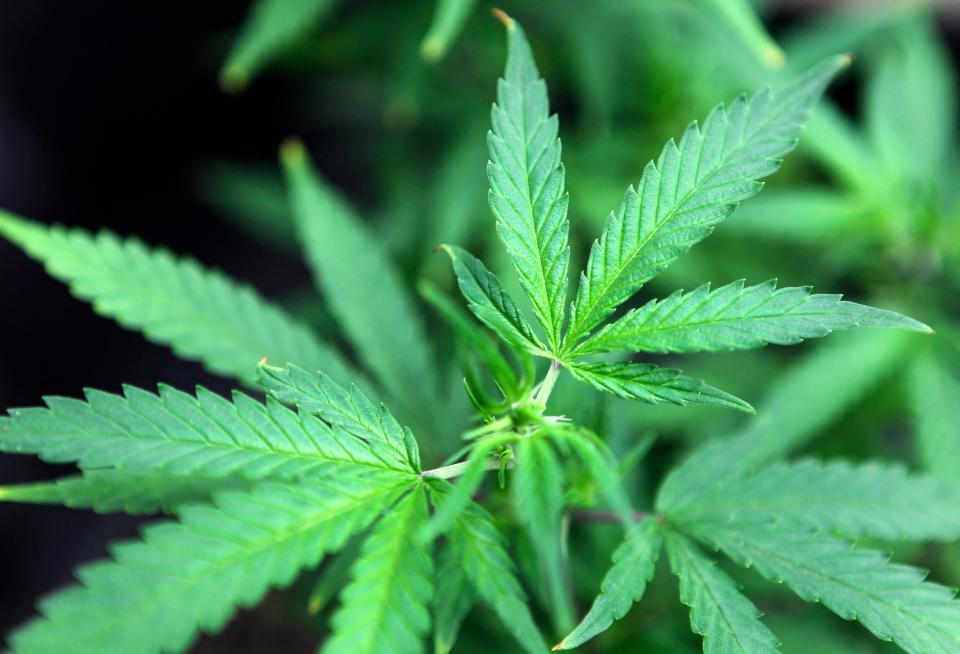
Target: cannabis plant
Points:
(263, 490)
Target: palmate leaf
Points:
(201, 314)
(935, 396)
(348, 409)
(109, 490)
(727, 620)
(539, 501)
(737, 317)
(271, 27)
(633, 565)
(179, 434)
(527, 184)
(364, 290)
(691, 188)
(893, 601)
(654, 385)
(384, 607)
(490, 570)
(190, 576)
(785, 420)
(490, 303)
(866, 500)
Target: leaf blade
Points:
(252, 542)
(384, 607)
(654, 385)
(892, 601)
(727, 620)
(175, 433)
(709, 172)
(365, 291)
(109, 490)
(526, 178)
(270, 27)
(491, 304)
(881, 501)
(539, 502)
(201, 314)
(933, 394)
(623, 585)
(736, 317)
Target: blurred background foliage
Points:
(393, 99)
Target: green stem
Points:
(546, 387)
(457, 469)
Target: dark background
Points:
(106, 111)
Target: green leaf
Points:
(252, 198)
(837, 144)
(190, 576)
(449, 18)
(727, 620)
(935, 396)
(491, 572)
(335, 575)
(871, 499)
(785, 420)
(365, 291)
(491, 304)
(693, 186)
(624, 584)
(527, 184)
(653, 385)
(201, 314)
(911, 102)
(539, 501)
(348, 409)
(109, 491)
(808, 215)
(737, 317)
(271, 27)
(892, 601)
(455, 205)
(454, 598)
(474, 340)
(384, 608)
(179, 434)
(742, 19)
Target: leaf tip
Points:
(559, 646)
(234, 79)
(773, 57)
(504, 18)
(292, 151)
(432, 50)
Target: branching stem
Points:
(457, 469)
